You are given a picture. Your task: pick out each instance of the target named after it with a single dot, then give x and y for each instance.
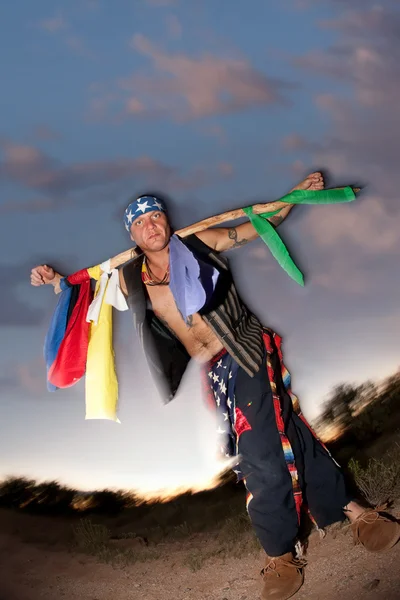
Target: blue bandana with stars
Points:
(139, 207)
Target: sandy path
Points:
(336, 569)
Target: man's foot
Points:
(283, 576)
(375, 531)
(313, 182)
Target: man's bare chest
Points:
(195, 334)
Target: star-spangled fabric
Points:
(220, 382)
(139, 207)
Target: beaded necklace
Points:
(149, 278)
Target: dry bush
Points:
(95, 539)
(90, 536)
(379, 481)
(237, 538)
(195, 560)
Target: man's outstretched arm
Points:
(43, 275)
(224, 238)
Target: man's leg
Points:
(323, 483)
(325, 490)
(271, 504)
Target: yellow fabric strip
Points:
(101, 382)
(95, 272)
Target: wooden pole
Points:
(230, 215)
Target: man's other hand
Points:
(42, 274)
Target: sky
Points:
(218, 105)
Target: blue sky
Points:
(217, 104)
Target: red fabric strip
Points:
(78, 277)
(241, 423)
(70, 363)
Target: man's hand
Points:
(41, 275)
(222, 238)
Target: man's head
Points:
(147, 222)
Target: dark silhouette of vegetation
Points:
(361, 415)
(16, 492)
(108, 502)
(366, 419)
(43, 498)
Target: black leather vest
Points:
(238, 329)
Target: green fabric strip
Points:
(272, 239)
(336, 196)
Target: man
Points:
(185, 305)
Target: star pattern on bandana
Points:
(141, 206)
(157, 204)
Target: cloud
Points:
(37, 171)
(44, 133)
(78, 46)
(343, 273)
(29, 377)
(27, 206)
(353, 248)
(183, 87)
(294, 142)
(225, 168)
(362, 141)
(53, 24)
(163, 3)
(59, 25)
(174, 27)
(215, 131)
(13, 311)
(199, 177)
(366, 226)
(33, 169)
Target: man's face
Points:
(151, 231)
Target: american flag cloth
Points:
(219, 380)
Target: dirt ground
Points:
(34, 567)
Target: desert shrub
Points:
(195, 560)
(237, 538)
(90, 536)
(378, 481)
(95, 539)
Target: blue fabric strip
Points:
(57, 329)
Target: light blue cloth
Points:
(192, 281)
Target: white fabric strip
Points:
(114, 295)
(94, 309)
(106, 266)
